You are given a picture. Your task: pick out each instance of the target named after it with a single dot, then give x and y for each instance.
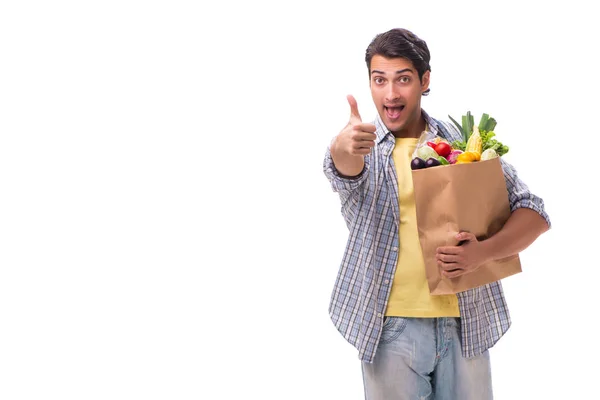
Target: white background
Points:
(166, 230)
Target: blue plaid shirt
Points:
(370, 209)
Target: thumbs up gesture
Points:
(354, 142)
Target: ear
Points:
(425, 82)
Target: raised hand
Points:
(354, 142)
(357, 138)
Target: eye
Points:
(378, 80)
(404, 79)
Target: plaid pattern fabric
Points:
(369, 205)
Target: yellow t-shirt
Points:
(410, 295)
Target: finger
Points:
(371, 137)
(449, 266)
(468, 236)
(448, 258)
(354, 114)
(364, 144)
(365, 128)
(363, 151)
(358, 144)
(452, 250)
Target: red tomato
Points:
(443, 149)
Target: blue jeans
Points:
(420, 359)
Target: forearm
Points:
(345, 163)
(521, 229)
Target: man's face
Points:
(396, 91)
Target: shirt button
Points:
(394, 249)
(379, 315)
(387, 281)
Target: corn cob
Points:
(474, 143)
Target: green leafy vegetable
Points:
(486, 123)
(468, 124)
(486, 130)
(483, 122)
(460, 128)
(460, 145)
(490, 143)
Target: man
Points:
(413, 345)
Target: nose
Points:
(392, 94)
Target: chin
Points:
(394, 126)
(389, 124)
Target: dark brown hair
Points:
(403, 43)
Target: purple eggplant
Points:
(417, 163)
(432, 162)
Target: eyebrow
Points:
(375, 71)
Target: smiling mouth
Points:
(393, 112)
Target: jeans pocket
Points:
(392, 328)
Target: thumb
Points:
(353, 108)
(465, 237)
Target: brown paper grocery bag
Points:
(456, 198)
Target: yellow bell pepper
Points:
(467, 157)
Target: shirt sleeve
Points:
(342, 184)
(519, 195)
(350, 190)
